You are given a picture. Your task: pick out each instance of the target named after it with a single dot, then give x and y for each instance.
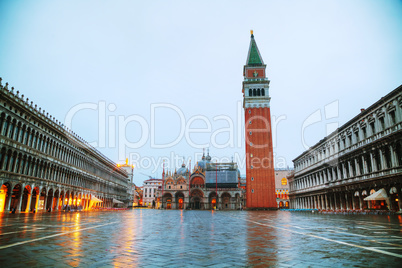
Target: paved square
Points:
(174, 238)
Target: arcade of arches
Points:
(30, 198)
(177, 195)
(45, 166)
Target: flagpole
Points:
(189, 176)
(163, 180)
(216, 184)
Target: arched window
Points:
(254, 92)
(258, 92)
(263, 92)
(250, 92)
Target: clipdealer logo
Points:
(113, 131)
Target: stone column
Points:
(398, 189)
(323, 206)
(382, 160)
(10, 194)
(19, 203)
(350, 169)
(57, 203)
(373, 162)
(345, 175)
(29, 202)
(364, 164)
(357, 167)
(394, 160)
(335, 203)
(38, 198)
(45, 200)
(62, 201)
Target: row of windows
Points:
(14, 162)
(367, 128)
(20, 133)
(256, 92)
(381, 159)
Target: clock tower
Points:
(260, 174)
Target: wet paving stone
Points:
(163, 238)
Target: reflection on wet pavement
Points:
(173, 238)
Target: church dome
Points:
(202, 164)
(182, 170)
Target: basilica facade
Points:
(207, 186)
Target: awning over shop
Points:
(117, 201)
(93, 198)
(93, 201)
(379, 195)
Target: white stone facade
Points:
(45, 166)
(362, 156)
(149, 189)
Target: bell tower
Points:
(260, 174)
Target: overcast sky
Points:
(107, 66)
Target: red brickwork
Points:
(259, 156)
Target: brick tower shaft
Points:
(260, 174)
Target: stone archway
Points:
(196, 199)
(26, 199)
(61, 199)
(56, 200)
(212, 200)
(4, 196)
(15, 197)
(226, 204)
(167, 201)
(49, 200)
(238, 201)
(34, 200)
(179, 200)
(42, 199)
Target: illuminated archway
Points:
(179, 200)
(49, 200)
(212, 201)
(167, 201)
(16, 193)
(34, 200)
(26, 199)
(61, 198)
(55, 199)
(4, 195)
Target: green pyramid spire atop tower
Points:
(254, 56)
